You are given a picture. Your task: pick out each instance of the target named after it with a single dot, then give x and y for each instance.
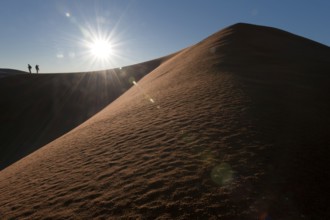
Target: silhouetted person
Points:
(30, 67)
(37, 68)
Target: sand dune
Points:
(36, 109)
(235, 127)
(10, 72)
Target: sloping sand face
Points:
(38, 108)
(235, 127)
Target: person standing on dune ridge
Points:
(37, 68)
(29, 67)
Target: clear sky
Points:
(84, 35)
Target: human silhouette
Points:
(30, 67)
(37, 68)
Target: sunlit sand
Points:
(234, 127)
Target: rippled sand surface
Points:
(234, 127)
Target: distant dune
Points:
(10, 72)
(234, 127)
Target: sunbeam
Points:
(98, 45)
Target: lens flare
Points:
(222, 174)
(146, 96)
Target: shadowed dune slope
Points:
(37, 108)
(10, 72)
(235, 127)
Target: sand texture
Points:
(36, 109)
(234, 127)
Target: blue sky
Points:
(56, 33)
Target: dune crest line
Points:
(241, 132)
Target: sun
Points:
(101, 49)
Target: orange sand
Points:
(235, 127)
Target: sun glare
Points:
(99, 45)
(101, 49)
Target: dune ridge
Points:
(234, 127)
(38, 108)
